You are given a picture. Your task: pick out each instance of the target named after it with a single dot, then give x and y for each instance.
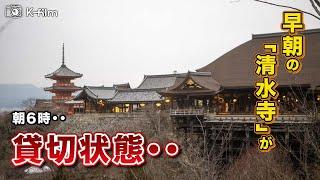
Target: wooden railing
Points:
(104, 116)
(187, 112)
(62, 98)
(301, 118)
(63, 84)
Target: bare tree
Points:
(315, 4)
(308, 134)
(28, 104)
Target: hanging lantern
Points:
(101, 103)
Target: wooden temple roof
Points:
(122, 86)
(197, 82)
(122, 93)
(96, 92)
(64, 88)
(164, 81)
(63, 71)
(136, 96)
(236, 68)
(157, 81)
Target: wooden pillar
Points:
(191, 124)
(247, 143)
(205, 143)
(305, 156)
(171, 103)
(230, 147)
(89, 109)
(286, 137)
(85, 105)
(213, 137)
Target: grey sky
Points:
(117, 41)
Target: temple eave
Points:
(52, 76)
(53, 88)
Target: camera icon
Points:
(13, 11)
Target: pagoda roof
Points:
(65, 88)
(63, 71)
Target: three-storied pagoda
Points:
(63, 87)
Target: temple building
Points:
(229, 116)
(63, 88)
(193, 90)
(95, 98)
(166, 91)
(146, 95)
(224, 87)
(235, 73)
(216, 99)
(135, 100)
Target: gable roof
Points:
(97, 92)
(236, 68)
(122, 86)
(63, 71)
(157, 81)
(204, 79)
(163, 81)
(136, 95)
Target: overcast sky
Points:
(118, 41)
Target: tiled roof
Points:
(97, 92)
(203, 79)
(161, 82)
(122, 86)
(66, 88)
(136, 95)
(63, 71)
(157, 81)
(236, 68)
(102, 92)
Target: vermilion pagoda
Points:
(63, 87)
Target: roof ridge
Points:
(164, 75)
(122, 84)
(179, 74)
(135, 90)
(144, 79)
(60, 69)
(88, 88)
(100, 87)
(276, 34)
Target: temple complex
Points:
(222, 88)
(216, 99)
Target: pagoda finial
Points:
(62, 53)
